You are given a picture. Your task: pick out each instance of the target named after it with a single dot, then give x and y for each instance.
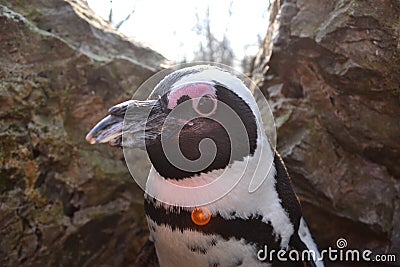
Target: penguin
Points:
(209, 226)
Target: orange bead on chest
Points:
(201, 216)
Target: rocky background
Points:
(329, 68)
(64, 202)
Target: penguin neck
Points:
(221, 190)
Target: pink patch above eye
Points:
(193, 90)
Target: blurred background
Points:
(330, 70)
(192, 30)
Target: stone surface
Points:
(332, 75)
(64, 202)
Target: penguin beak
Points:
(132, 124)
(107, 130)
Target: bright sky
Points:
(169, 26)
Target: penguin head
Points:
(186, 108)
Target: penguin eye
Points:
(205, 105)
(199, 92)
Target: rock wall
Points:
(332, 75)
(62, 201)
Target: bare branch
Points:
(124, 20)
(110, 15)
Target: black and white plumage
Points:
(241, 222)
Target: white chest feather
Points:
(238, 202)
(194, 249)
